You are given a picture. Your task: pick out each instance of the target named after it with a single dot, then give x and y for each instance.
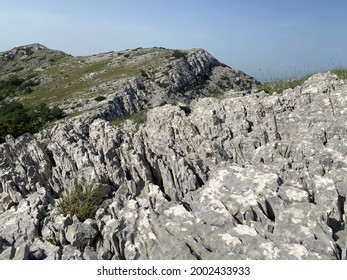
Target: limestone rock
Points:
(80, 234)
(248, 176)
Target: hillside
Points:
(80, 84)
(39, 86)
(182, 158)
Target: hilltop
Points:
(84, 83)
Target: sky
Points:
(267, 39)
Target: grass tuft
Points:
(280, 85)
(82, 200)
(138, 118)
(340, 72)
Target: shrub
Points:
(163, 85)
(179, 54)
(15, 85)
(16, 119)
(82, 200)
(99, 98)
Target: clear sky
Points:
(264, 38)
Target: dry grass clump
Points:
(82, 201)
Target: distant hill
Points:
(87, 83)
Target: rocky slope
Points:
(117, 83)
(243, 176)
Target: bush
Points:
(99, 98)
(16, 119)
(82, 201)
(15, 85)
(179, 54)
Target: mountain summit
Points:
(22, 51)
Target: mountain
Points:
(182, 158)
(155, 76)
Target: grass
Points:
(340, 72)
(279, 85)
(215, 93)
(66, 73)
(64, 78)
(138, 118)
(82, 200)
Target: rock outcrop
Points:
(246, 176)
(186, 76)
(23, 51)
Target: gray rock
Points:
(80, 234)
(89, 254)
(45, 250)
(7, 254)
(71, 253)
(104, 254)
(21, 51)
(248, 176)
(22, 252)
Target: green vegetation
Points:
(340, 72)
(99, 98)
(82, 200)
(16, 119)
(14, 85)
(163, 85)
(138, 118)
(279, 85)
(68, 77)
(64, 78)
(215, 93)
(53, 241)
(179, 54)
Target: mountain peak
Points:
(20, 51)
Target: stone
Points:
(7, 254)
(22, 252)
(45, 250)
(80, 234)
(104, 254)
(89, 254)
(71, 253)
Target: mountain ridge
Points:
(163, 71)
(107, 85)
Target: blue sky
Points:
(264, 38)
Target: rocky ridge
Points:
(243, 176)
(22, 52)
(117, 83)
